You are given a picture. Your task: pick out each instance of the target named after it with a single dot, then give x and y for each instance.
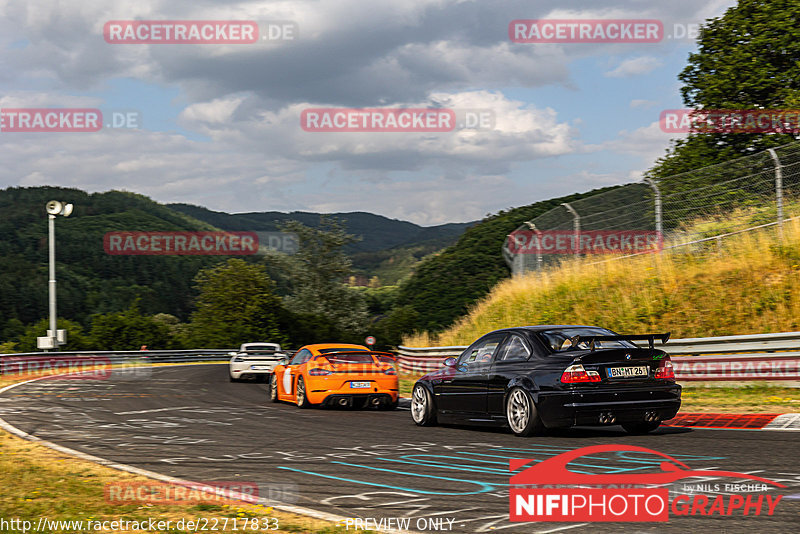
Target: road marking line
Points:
(561, 528)
(156, 410)
(299, 510)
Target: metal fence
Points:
(39, 363)
(751, 192)
(728, 358)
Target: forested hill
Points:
(445, 285)
(89, 280)
(376, 232)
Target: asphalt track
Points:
(190, 422)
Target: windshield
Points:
(559, 340)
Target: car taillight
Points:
(665, 370)
(576, 374)
(389, 371)
(317, 371)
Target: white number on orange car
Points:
(287, 381)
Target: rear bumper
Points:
(589, 407)
(359, 399)
(238, 370)
(320, 388)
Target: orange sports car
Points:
(336, 374)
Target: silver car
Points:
(255, 361)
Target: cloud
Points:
(634, 67)
(648, 142)
(240, 147)
(520, 133)
(643, 104)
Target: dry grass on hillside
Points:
(749, 283)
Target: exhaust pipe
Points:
(344, 402)
(607, 418)
(376, 401)
(651, 416)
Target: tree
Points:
(389, 330)
(76, 339)
(128, 330)
(236, 304)
(747, 59)
(317, 275)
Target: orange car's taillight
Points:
(389, 371)
(318, 371)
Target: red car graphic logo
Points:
(554, 470)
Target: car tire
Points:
(301, 396)
(422, 411)
(521, 413)
(641, 427)
(273, 388)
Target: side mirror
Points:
(450, 362)
(283, 361)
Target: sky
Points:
(220, 125)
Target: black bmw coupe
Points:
(536, 377)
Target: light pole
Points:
(54, 336)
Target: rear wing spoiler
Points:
(650, 338)
(358, 352)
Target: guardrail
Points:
(38, 362)
(746, 357)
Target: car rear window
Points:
(349, 358)
(341, 349)
(559, 340)
(260, 349)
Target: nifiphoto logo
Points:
(549, 491)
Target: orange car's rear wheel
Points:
(302, 398)
(273, 388)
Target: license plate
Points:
(359, 385)
(260, 367)
(627, 372)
